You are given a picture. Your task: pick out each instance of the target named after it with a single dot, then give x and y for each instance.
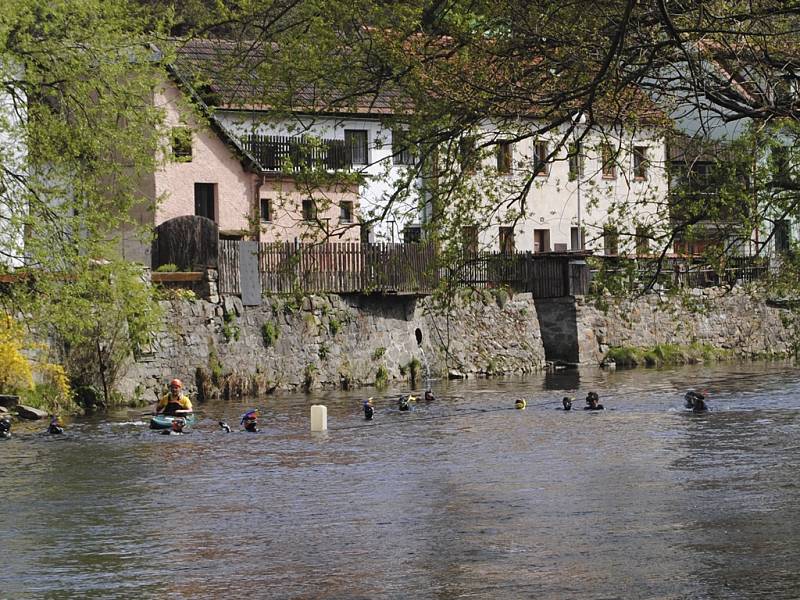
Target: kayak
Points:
(165, 422)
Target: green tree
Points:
(79, 128)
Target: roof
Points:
(231, 75)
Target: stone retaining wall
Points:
(729, 319)
(335, 340)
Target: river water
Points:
(461, 498)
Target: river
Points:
(461, 498)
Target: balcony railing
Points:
(292, 154)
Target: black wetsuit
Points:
(171, 409)
(369, 412)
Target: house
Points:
(362, 141)
(575, 188)
(209, 173)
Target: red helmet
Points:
(176, 383)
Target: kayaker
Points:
(56, 426)
(593, 402)
(178, 424)
(691, 397)
(566, 402)
(429, 397)
(250, 421)
(5, 428)
(369, 409)
(174, 403)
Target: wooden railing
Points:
(283, 153)
(682, 272)
(545, 275)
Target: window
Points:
(575, 161)
(346, 212)
(782, 236)
(467, 154)
(577, 238)
(541, 240)
(609, 162)
(309, 210)
(204, 196)
(181, 144)
(504, 154)
(401, 150)
(643, 235)
(781, 166)
(506, 239)
(266, 209)
(469, 239)
(356, 142)
(640, 163)
(540, 154)
(610, 240)
(412, 234)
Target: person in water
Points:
(691, 397)
(174, 403)
(5, 428)
(369, 409)
(593, 402)
(56, 426)
(178, 424)
(429, 397)
(566, 402)
(225, 427)
(699, 405)
(404, 403)
(250, 421)
(520, 404)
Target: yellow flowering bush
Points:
(15, 369)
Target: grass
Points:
(666, 354)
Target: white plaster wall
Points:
(380, 172)
(557, 204)
(13, 155)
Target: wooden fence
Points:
(334, 268)
(398, 269)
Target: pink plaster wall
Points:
(212, 162)
(287, 222)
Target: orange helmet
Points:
(176, 383)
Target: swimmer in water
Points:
(566, 402)
(593, 402)
(691, 397)
(369, 409)
(56, 426)
(177, 427)
(250, 421)
(5, 428)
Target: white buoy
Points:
(319, 417)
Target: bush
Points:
(381, 377)
(379, 352)
(167, 268)
(270, 333)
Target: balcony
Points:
(294, 154)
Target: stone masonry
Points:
(330, 340)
